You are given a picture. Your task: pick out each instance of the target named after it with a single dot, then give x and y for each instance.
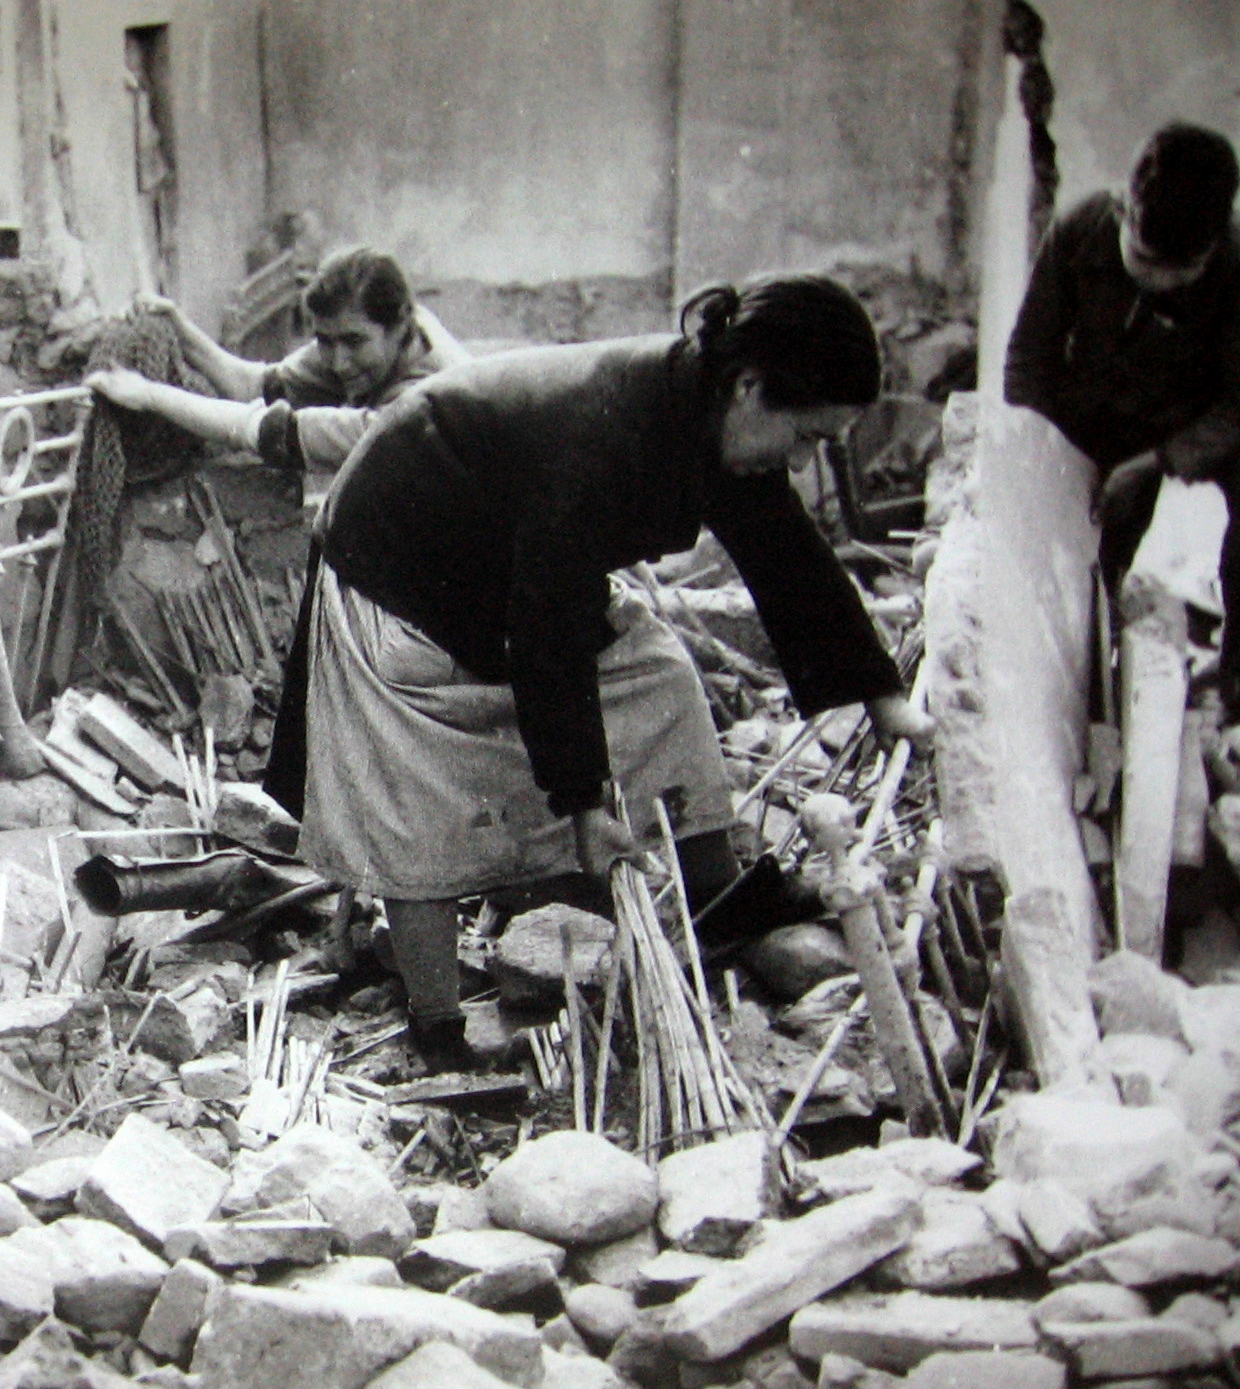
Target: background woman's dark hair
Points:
(809, 339)
(1182, 187)
(371, 280)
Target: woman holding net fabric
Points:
(476, 676)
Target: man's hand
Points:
(121, 386)
(601, 841)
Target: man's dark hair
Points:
(360, 278)
(1181, 190)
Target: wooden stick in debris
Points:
(574, 1027)
(234, 622)
(897, 765)
(224, 541)
(147, 658)
(713, 1045)
(315, 1071)
(611, 996)
(208, 620)
(175, 628)
(817, 1069)
(398, 1163)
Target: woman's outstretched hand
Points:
(121, 386)
(602, 841)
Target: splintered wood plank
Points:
(1153, 688)
(122, 737)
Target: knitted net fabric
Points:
(120, 447)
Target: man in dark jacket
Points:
(1129, 340)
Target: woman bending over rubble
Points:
(475, 676)
(371, 340)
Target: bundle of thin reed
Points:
(688, 1089)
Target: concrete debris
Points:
(600, 1313)
(927, 1162)
(147, 1183)
(955, 1246)
(1151, 1257)
(1132, 1349)
(231, 1244)
(797, 1262)
(987, 1369)
(572, 1188)
(178, 1311)
(1079, 1302)
(103, 1279)
(897, 1331)
(528, 960)
(339, 1338)
(490, 1268)
(710, 1196)
(621, 1263)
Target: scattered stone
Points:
(353, 1271)
(179, 1310)
(927, 1161)
(1198, 1310)
(1059, 1221)
(528, 958)
(27, 1294)
(1127, 1349)
(24, 1018)
(1205, 1089)
(35, 801)
(48, 1357)
(435, 1366)
(987, 1369)
(674, 1271)
(642, 1355)
(711, 1195)
(560, 1334)
(1131, 994)
(339, 1338)
(461, 1208)
(1135, 1167)
(956, 1245)
(247, 815)
(572, 1188)
(345, 1185)
(146, 1182)
(227, 1244)
(104, 1279)
(618, 1264)
(843, 1372)
(1078, 1302)
(226, 706)
(602, 1314)
(791, 959)
(486, 1267)
(1208, 1017)
(576, 1370)
(13, 1213)
(176, 1030)
(49, 1188)
(1141, 1064)
(800, 1260)
(897, 1331)
(1150, 1257)
(16, 1147)
(221, 1076)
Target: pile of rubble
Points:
(1095, 1241)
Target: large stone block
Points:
(343, 1182)
(104, 1279)
(899, 1330)
(179, 1310)
(572, 1188)
(795, 1263)
(710, 1196)
(341, 1338)
(146, 1182)
(957, 1245)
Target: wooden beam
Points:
(1153, 688)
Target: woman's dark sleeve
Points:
(556, 625)
(826, 645)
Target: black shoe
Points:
(762, 898)
(441, 1045)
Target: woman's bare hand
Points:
(121, 386)
(601, 841)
